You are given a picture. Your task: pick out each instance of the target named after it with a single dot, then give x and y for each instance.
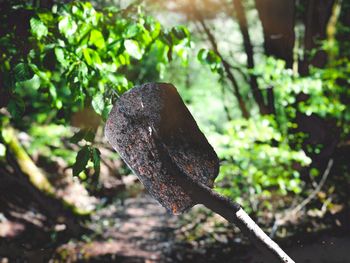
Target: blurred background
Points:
(266, 80)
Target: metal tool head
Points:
(157, 108)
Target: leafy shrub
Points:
(257, 160)
(68, 65)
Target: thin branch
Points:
(227, 112)
(316, 190)
(240, 71)
(248, 48)
(227, 68)
(293, 211)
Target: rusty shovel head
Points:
(158, 108)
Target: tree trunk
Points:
(277, 19)
(342, 35)
(316, 16)
(28, 176)
(248, 48)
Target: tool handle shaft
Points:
(235, 214)
(246, 224)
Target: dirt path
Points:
(139, 230)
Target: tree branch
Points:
(227, 68)
(248, 48)
(293, 211)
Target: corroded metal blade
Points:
(158, 108)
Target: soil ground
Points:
(140, 230)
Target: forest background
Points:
(266, 80)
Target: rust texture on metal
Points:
(158, 108)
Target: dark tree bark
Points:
(342, 35)
(316, 17)
(277, 19)
(271, 100)
(248, 48)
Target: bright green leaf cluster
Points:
(323, 94)
(257, 160)
(79, 55)
(74, 60)
(210, 58)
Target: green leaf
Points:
(133, 49)
(87, 56)
(132, 31)
(96, 159)
(67, 26)
(96, 38)
(38, 28)
(92, 58)
(46, 17)
(202, 54)
(87, 135)
(16, 107)
(31, 84)
(213, 58)
(2, 150)
(106, 111)
(60, 57)
(22, 72)
(96, 59)
(118, 80)
(98, 103)
(77, 137)
(81, 160)
(210, 58)
(180, 32)
(155, 29)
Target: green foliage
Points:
(323, 93)
(38, 28)
(264, 155)
(75, 57)
(49, 142)
(321, 88)
(66, 66)
(210, 58)
(2, 150)
(82, 159)
(257, 160)
(80, 165)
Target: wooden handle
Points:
(234, 213)
(258, 236)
